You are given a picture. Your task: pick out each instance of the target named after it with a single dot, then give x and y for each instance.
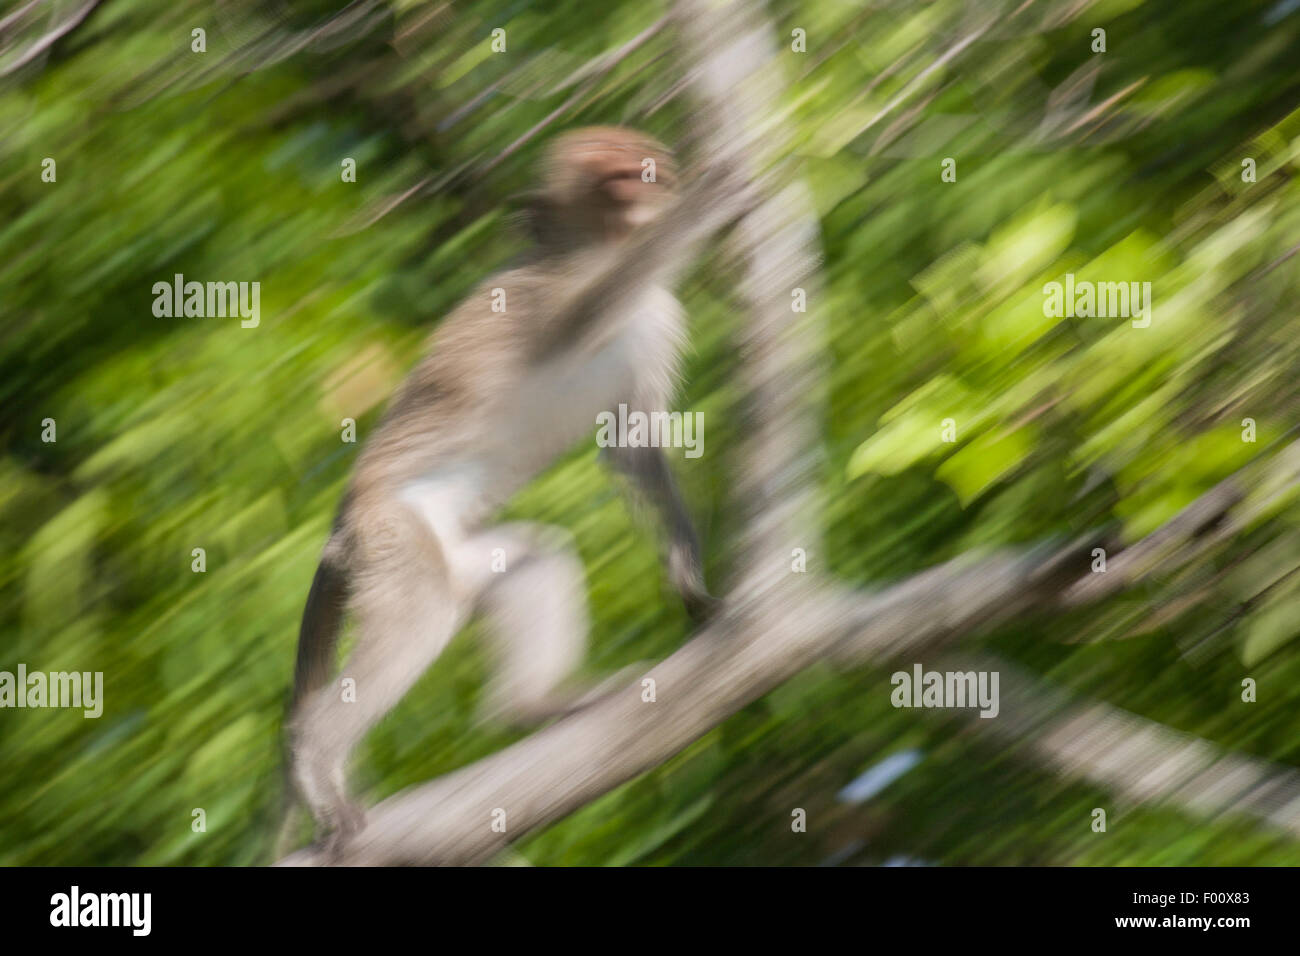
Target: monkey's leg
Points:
(406, 612)
(646, 470)
(536, 614)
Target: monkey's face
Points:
(607, 180)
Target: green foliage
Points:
(184, 433)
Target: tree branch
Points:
(1140, 760)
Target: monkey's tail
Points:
(318, 638)
(322, 620)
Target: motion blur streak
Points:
(1030, 409)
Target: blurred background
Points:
(183, 433)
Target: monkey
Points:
(510, 379)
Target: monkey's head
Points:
(600, 183)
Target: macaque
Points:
(506, 387)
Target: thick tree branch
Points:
(756, 646)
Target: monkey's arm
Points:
(646, 471)
(652, 256)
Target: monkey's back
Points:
(438, 412)
(494, 397)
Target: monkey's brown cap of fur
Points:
(577, 158)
